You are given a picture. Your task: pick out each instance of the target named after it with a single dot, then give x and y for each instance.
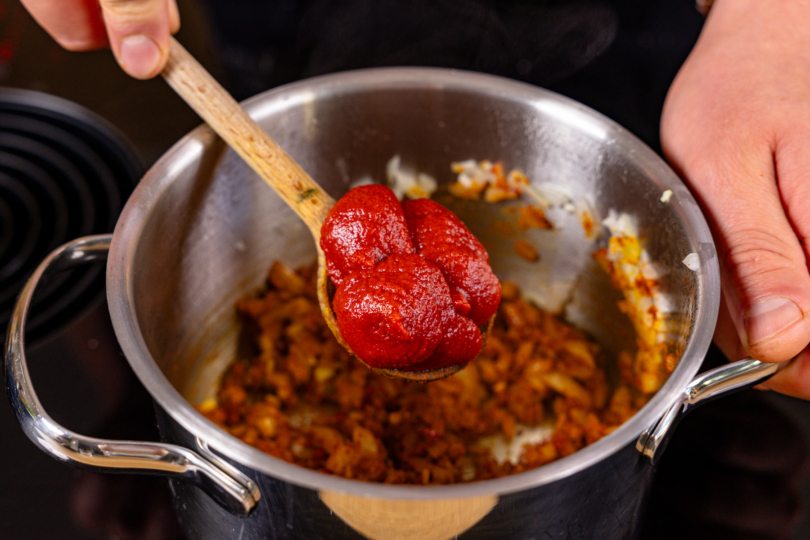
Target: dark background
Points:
(736, 467)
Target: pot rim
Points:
(188, 149)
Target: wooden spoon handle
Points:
(220, 111)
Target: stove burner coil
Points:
(64, 172)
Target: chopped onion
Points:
(692, 261)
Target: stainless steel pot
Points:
(201, 230)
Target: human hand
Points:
(736, 125)
(137, 31)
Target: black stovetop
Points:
(735, 469)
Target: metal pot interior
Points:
(202, 229)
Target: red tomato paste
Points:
(413, 284)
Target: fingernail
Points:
(770, 317)
(140, 56)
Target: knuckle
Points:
(132, 9)
(755, 255)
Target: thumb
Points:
(765, 278)
(139, 32)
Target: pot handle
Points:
(703, 388)
(230, 488)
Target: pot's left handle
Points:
(229, 487)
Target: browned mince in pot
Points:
(538, 383)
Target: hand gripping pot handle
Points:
(227, 486)
(703, 388)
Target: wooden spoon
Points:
(220, 111)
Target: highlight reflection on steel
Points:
(231, 489)
(707, 386)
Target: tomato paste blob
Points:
(394, 314)
(440, 237)
(413, 284)
(364, 227)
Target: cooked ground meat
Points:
(302, 398)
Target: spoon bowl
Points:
(430, 375)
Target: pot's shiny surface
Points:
(601, 502)
(201, 230)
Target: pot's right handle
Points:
(229, 487)
(705, 387)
